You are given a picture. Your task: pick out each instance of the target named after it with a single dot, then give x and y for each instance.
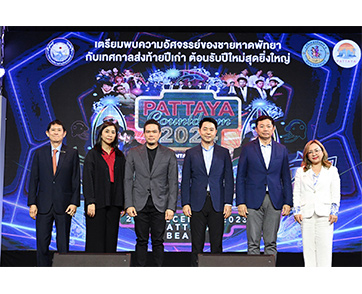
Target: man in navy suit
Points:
(263, 187)
(54, 191)
(207, 189)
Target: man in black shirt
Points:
(151, 155)
(151, 188)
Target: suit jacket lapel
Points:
(202, 164)
(273, 152)
(310, 181)
(323, 173)
(144, 158)
(214, 154)
(258, 152)
(62, 155)
(158, 157)
(48, 158)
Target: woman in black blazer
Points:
(103, 175)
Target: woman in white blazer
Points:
(316, 199)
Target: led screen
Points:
(86, 77)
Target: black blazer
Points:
(250, 95)
(96, 180)
(59, 190)
(279, 97)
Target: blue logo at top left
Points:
(59, 51)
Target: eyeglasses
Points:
(316, 151)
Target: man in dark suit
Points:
(190, 86)
(200, 86)
(207, 189)
(277, 94)
(170, 86)
(245, 93)
(263, 187)
(151, 188)
(129, 141)
(54, 191)
(180, 85)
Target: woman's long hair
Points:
(306, 163)
(106, 124)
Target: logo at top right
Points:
(346, 53)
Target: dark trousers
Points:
(102, 230)
(44, 226)
(198, 222)
(149, 219)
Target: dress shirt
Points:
(262, 93)
(272, 91)
(208, 153)
(280, 82)
(232, 90)
(59, 148)
(252, 79)
(266, 152)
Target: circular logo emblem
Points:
(346, 53)
(315, 53)
(59, 51)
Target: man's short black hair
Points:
(152, 122)
(208, 119)
(55, 122)
(128, 132)
(263, 117)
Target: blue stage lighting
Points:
(2, 71)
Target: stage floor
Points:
(19, 258)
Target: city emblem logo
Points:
(315, 53)
(59, 52)
(346, 53)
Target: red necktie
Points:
(54, 159)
